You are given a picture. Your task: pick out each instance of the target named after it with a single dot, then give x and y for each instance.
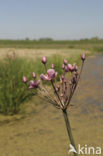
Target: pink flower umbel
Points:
(62, 88)
(67, 85)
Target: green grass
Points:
(13, 93)
(92, 44)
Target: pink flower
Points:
(65, 61)
(30, 87)
(34, 84)
(51, 74)
(83, 57)
(52, 66)
(34, 75)
(44, 77)
(44, 60)
(37, 84)
(24, 79)
(70, 67)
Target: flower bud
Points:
(73, 80)
(24, 79)
(52, 66)
(58, 88)
(65, 61)
(65, 80)
(44, 60)
(83, 57)
(34, 75)
(70, 67)
(32, 83)
(70, 82)
(63, 66)
(75, 68)
(31, 87)
(75, 73)
(66, 69)
(62, 77)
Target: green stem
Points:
(69, 129)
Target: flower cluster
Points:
(61, 92)
(32, 83)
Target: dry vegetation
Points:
(35, 53)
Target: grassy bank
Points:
(13, 93)
(93, 44)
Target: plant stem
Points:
(69, 129)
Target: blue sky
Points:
(58, 19)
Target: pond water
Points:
(92, 84)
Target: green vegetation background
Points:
(93, 44)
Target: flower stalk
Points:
(60, 92)
(69, 131)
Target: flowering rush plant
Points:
(60, 92)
